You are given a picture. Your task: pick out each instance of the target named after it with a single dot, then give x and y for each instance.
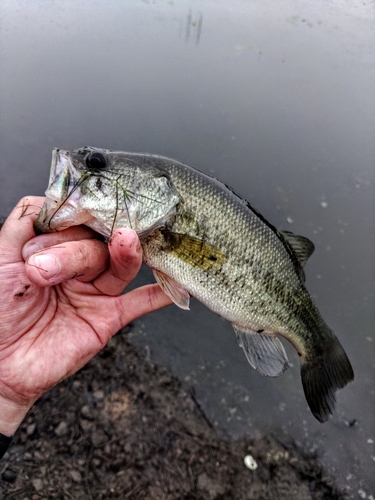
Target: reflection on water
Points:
(277, 101)
(194, 26)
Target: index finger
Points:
(126, 259)
(19, 228)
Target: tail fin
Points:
(323, 377)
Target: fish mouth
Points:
(41, 225)
(59, 210)
(45, 222)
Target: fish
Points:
(201, 239)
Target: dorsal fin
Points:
(264, 352)
(302, 246)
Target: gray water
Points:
(275, 98)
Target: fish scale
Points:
(242, 233)
(203, 240)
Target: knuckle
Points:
(152, 297)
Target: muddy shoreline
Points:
(123, 427)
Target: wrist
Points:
(11, 415)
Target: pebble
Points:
(211, 486)
(38, 456)
(86, 412)
(37, 483)
(250, 462)
(97, 438)
(98, 395)
(61, 429)
(75, 475)
(85, 425)
(30, 429)
(9, 476)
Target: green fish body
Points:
(202, 240)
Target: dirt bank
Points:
(124, 428)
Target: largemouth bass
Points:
(202, 240)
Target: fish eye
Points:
(96, 160)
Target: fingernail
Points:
(29, 249)
(48, 264)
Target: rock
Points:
(86, 425)
(98, 395)
(40, 457)
(86, 412)
(62, 429)
(9, 475)
(98, 438)
(37, 483)
(30, 429)
(75, 475)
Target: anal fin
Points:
(174, 290)
(264, 352)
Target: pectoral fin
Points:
(175, 291)
(264, 352)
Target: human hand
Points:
(60, 304)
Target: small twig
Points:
(66, 492)
(200, 407)
(87, 483)
(24, 210)
(14, 493)
(6, 465)
(136, 487)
